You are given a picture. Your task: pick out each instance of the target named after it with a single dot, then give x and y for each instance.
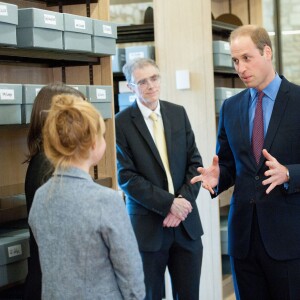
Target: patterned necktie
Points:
(258, 129)
(160, 141)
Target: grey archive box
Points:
(80, 87)
(101, 97)
(39, 28)
(78, 32)
(125, 100)
(144, 51)
(10, 103)
(222, 93)
(104, 37)
(14, 251)
(221, 54)
(118, 60)
(8, 24)
(30, 91)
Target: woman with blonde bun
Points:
(86, 243)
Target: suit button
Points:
(256, 177)
(252, 201)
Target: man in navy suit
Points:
(163, 212)
(264, 216)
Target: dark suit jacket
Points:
(38, 172)
(278, 212)
(142, 177)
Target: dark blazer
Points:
(278, 212)
(38, 172)
(142, 177)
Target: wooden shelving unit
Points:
(35, 66)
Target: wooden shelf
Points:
(222, 28)
(225, 71)
(48, 58)
(65, 2)
(135, 33)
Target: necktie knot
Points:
(153, 116)
(260, 96)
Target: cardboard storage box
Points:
(14, 251)
(224, 234)
(77, 34)
(238, 90)
(133, 52)
(39, 28)
(10, 103)
(221, 54)
(8, 24)
(13, 208)
(125, 100)
(104, 37)
(123, 87)
(101, 97)
(30, 91)
(222, 93)
(118, 60)
(80, 87)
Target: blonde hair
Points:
(70, 130)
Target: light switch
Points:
(182, 79)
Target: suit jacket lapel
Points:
(244, 118)
(167, 128)
(139, 122)
(277, 113)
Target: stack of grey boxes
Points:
(32, 28)
(14, 243)
(47, 31)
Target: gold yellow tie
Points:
(160, 141)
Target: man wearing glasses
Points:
(157, 156)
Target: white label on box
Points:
(14, 250)
(79, 24)
(131, 98)
(3, 10)
(226, 46)
(6, 94)
(101, 94)
(37, 90)
(134, 55)
(107, 29)
(49, 19)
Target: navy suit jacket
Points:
(142, 177)
(278, 212)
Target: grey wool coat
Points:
(86, 243)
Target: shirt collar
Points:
(270, 91)
(147, 111)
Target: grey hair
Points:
(137, 63)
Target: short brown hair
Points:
(258, 35)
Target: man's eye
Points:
(142, 82)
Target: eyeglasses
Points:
(144, 83)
